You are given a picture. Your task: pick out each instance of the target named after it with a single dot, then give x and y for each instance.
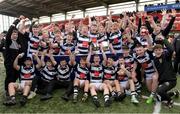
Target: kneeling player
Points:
(81, 79)
(125, 79)
(27, 73)
(96, 80)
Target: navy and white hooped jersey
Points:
(94, 37)
(142, 41)
(146, 62)
(109, 72)
(33, 44)
(129, 61)
(27, 73)
(96, 74)
(48, 74)
(116, 40)
(67, 46)
(81, 73)
(64, 73)
(102, 37)
(83, 43)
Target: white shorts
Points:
(21, 85)
(123, 84)
(99, 86)
(149, 76)
(81, 82)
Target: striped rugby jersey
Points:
(27, 73)
(64, 73)
(67, 46)
(48, 74)
(146, 62)
(81, 73)
(33, 44)
(83, 43)
(109, 72)
(96, 73)
(116, 40)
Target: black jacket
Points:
(10, 54)
(165, 68)
(176, 44)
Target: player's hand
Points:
(111, 12)
(123, 67)
(163, 12)
(21, 55)
(173, 12)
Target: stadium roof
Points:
(37, 8)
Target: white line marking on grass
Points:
(157, 108)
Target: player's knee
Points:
(12, 84)
(28, 83)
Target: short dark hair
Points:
(15, 31)
(139, 45)
(70, 34)
(83, 58)
(158, 46)
(35, 26)
(125, 47)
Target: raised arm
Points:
(104, 55)
(15, 64)
(128, 73)
(166, 31)
(72, 61)
(11, 28)
(89, 57)
(35, 56)
(52, 58)
(42, 58)
(169, 48)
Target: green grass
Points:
(56, 105)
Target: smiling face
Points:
(101, 29)
(140, 51)
(143, 32)
(110, 62)
(14, 35)
(35, 30)
(94, 28)
(96, 60)
(158, 50)
(49, 64)
(115, 27)
(121, 61)
(28, 63)
(63, 63)
(82, 62)
(84, 30)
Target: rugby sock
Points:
(137, 86)
(86, 93)
(106, 97)
(133, 93)
(152, 94)
(75, 90)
